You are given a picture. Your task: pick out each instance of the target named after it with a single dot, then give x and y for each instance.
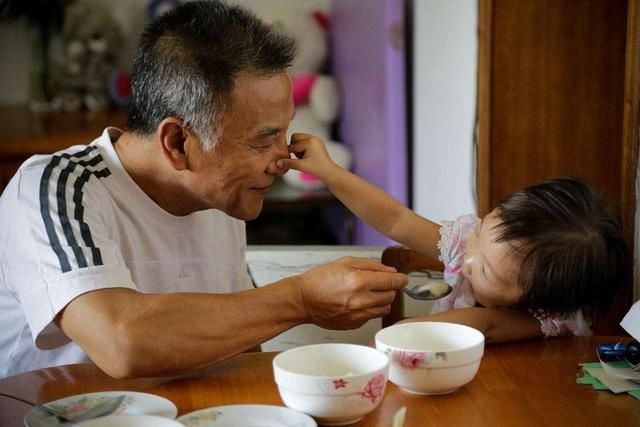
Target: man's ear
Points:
(173, 134)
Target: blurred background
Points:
(448, 105)
(65, 66)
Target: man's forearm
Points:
(135, 335)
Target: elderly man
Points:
(129, 251)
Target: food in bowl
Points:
(337, 384)
(431, 357)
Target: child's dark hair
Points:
(572, 248)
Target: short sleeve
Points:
(67, 252)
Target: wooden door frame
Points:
(483, 113)
(630, 130)
(630, 123)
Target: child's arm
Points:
(374, 206)
(497, 324)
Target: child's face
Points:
(490, 267)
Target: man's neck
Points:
(144, 163)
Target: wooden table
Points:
(524, 384)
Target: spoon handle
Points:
(46, 409)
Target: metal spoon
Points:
(105, 408)
(429, 291)
(60, 415)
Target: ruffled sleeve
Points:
(452, 244)
(572, 324)
(453, 238)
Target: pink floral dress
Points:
(452, 245)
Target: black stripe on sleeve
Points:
(46, 215)
(78, 213)
(63, 216)
(61, 196)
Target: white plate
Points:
(131, 421)
(135, 403)
(247, 416)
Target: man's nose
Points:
(282, 152)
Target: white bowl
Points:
(431, 357)
(131, 421)
(337, 384)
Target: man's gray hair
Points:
(187, 62)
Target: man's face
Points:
(235, 176)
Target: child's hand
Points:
(311, 156)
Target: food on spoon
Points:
(439, 288)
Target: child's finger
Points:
(297, 150)
(283, 163)
(287, 163)
(296, 147)
(300, 137)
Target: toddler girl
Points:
(542, 263)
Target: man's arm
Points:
(130, 334)
(497, 324)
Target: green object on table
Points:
(635, 393)
(586, 378)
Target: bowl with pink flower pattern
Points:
(431, 357)
(337, 384)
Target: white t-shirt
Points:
(74, 222)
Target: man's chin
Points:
(247, 214)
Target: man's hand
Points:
(311, 156)
(348, 292)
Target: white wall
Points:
(444, 75)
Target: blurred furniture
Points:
(291, 216)
(406, 261)
(527, 384)
(24, 133)
(559, 94)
